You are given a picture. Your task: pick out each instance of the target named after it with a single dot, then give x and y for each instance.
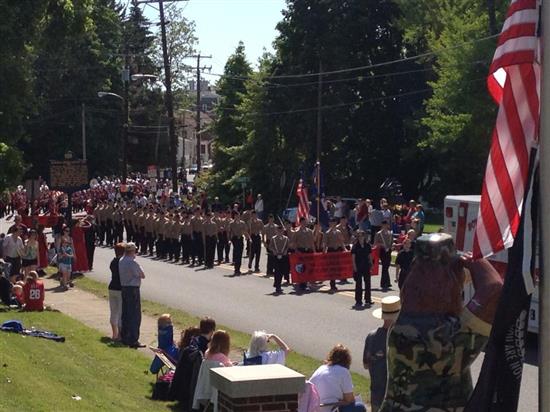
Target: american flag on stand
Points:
(303, 201)
(509, 203)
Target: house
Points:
(187, 137)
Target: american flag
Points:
(303, 202)
(514, 83)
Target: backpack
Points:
(12, 326)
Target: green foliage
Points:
(12, 166)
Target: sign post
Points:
(69, 176)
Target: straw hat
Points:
(391, 305)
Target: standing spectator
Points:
(115, 293)
(30, 254)
(12, 250)
(339, 208)
(374, 354)
(362, 263)
(383, 240)
(403, 262)
(334, 384)
(131, 275)
(387, 213)
(418, 220)
(375, 220)
(65, 258)
(18, 224)
(259, 206)
(362, 215)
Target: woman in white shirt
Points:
(334, 384)
(259, 348)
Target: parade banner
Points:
(318, 267)
(44, 220)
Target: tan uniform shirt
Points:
(256, 227)
(196, 223)
(334, 239)
(186, 227)
(270, 230)
(210, 228)
(237, 228)
(303, 238)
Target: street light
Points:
(125, 102)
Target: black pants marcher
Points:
(238, 246)
(187, 247)
(210, 250)
(255, 250)
(385, 261)
(362, 276)
(198, 248)
(131, 314)
(270, 263)
(333, 282)
(221, 244)
(281, 268)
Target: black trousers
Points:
(186, 247)
(255, 250)
(281, 267)
(303, 285)
(150, 242)
(161, 247)
(333, 282)
(362, 277)
(102, 230)
(385, 261)
(210, 250)
(129, 232)
(198, 248)
(221, 245)
(238, 246)
(90, 249)
(118, 232)
(142, 241)
(176, 249)
(109, 234)
(131, 314)
(270, 263)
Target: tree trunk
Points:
(492, 17)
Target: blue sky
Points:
(220, 24)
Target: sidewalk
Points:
(94, 312)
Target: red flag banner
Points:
(318, 267)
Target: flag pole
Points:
(544, 287)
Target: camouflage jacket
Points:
(429, 360)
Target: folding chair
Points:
(164, 376)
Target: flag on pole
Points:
(509, 206)
(303, 201)
(514, 83)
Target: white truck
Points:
(460, 218)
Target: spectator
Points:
(259, 207)
(131, 275)
(258, 348)
(339, 208)
(219, 347)
(115, 293)
(362, 264)
(30, 254)
(334, 384)
(403, 262)
(33, 293)
(383, 240)
(65, 262)
(12, 250)
(207, 327)
(374, 354)
(418, 219)
(18, 224)
(187, 335)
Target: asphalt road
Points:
(311, 323)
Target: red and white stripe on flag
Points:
(303, 201)
(514, 83)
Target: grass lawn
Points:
(239, 340)
(43, 375)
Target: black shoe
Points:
(137, 345)
(256, 270)
(334, 289)
(357, 306)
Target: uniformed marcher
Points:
(161, 228)
(198, 245)
(245, 216)
(149, 224)
(334, 242)
(210, 231)
(256, 228)
(186, 239)
(222, 238)
(303, 238)
(109, 226)
(237, 229)
(278, 246)
(270, 230)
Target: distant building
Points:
(209, 97)
(187, 137)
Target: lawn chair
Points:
(164, 376)
(255, 360)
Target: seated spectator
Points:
(165, 341)
(187, 335)
(207, 327)
(17, 294)
(334, 384)
(33, 293)
(258, 351)
(218, 348)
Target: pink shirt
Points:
(219, 357)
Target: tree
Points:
(228, 126)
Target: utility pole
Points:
(198, 119)
(83, 117)
(319, 136)
(169, 102)
(126, 120)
